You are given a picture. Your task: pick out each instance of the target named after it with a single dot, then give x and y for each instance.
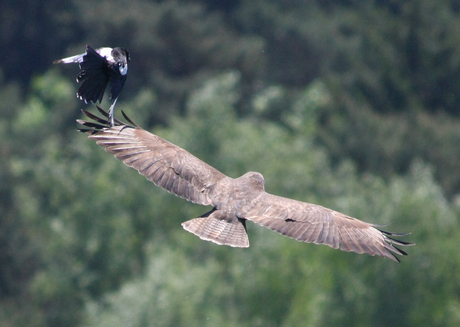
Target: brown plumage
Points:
(234, 200)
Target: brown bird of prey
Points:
(235, 200)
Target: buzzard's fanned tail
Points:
(214, 227)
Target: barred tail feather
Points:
(210, 227)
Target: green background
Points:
(348, 104)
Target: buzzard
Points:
(234, 200)
(98, 68)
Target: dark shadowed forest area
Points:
(353, 105)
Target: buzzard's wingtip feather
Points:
(129, 119)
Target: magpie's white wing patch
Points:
(71, 60)
(105, 52)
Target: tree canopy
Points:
(345, 104)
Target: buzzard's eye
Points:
(123, 69)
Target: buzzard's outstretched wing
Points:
(312, 223)
(160, 161)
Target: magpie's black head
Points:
(121, 57)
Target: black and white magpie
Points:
(98, 68)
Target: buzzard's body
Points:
(235, 200)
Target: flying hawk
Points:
(235, 200)
(98, 68)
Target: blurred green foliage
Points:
(349, 105)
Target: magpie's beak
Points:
(123, 69)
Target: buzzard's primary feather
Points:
(234, 200)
